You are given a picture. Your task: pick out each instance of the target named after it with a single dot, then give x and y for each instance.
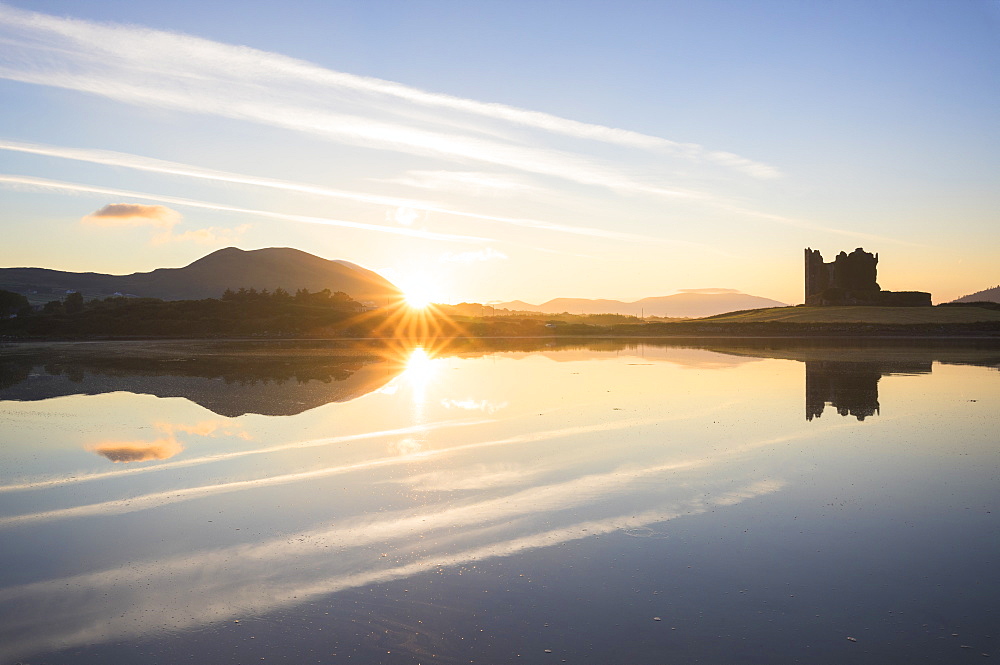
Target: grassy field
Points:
(876, 315)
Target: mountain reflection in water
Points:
(228, 379)
(232, 378)
(518, 501)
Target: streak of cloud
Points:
(212, 235)
(487, 254)
(133, 214)
(195, 75)
(471, 182)
(56, 185)
(128, 215)
(813, 226)
(152, 165)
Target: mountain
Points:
(692, 303)
(987, 295)
(279, 385)
(210, 276)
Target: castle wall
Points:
(850, 279)
(904, 299)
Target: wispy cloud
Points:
(153, 165)
(402, 209)
(486, 254)
(56, 185)
(161, 218)
(212, 235)
(133, 214)
(469, 182)
(200, 76)
(709, 291)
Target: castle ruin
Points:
(850, 280)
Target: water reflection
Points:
(164, 447)
(528, 459)
(847, 378)
(233, 379)
(228, 379)
(851, 387)
(138, 451)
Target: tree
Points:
(12, 303)
(73, 302)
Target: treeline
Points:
(240, 312)
(278, 313)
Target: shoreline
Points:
(196, 342)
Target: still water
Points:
(507, 502)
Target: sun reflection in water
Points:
(419, 372)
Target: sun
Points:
(419, 290)
(417, 298)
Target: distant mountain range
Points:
(292, 269)
(690, 303)
(210, 276)
(987, 295)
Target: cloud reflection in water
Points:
(619, 447)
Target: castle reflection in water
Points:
(233, 378)
(851, 387)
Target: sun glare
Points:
(419, 290)
(417, 299)
(419, 372)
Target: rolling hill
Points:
(986, 295)
(209, 277)
(862, 314)
(690, 304)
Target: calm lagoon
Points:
(722, 501)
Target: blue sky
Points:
(489, 151)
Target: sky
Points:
(490, 151)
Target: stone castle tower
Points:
(850, 279)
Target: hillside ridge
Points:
(209, 276)
(987, 295)
(689, 304)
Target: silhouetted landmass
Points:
(986, 295)
(690, 304)
(850, 279)
(209, 276)
(479, 311)
(228, 379)
(247, 312)
(977, 304)
(242, 312)
(286, 377)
